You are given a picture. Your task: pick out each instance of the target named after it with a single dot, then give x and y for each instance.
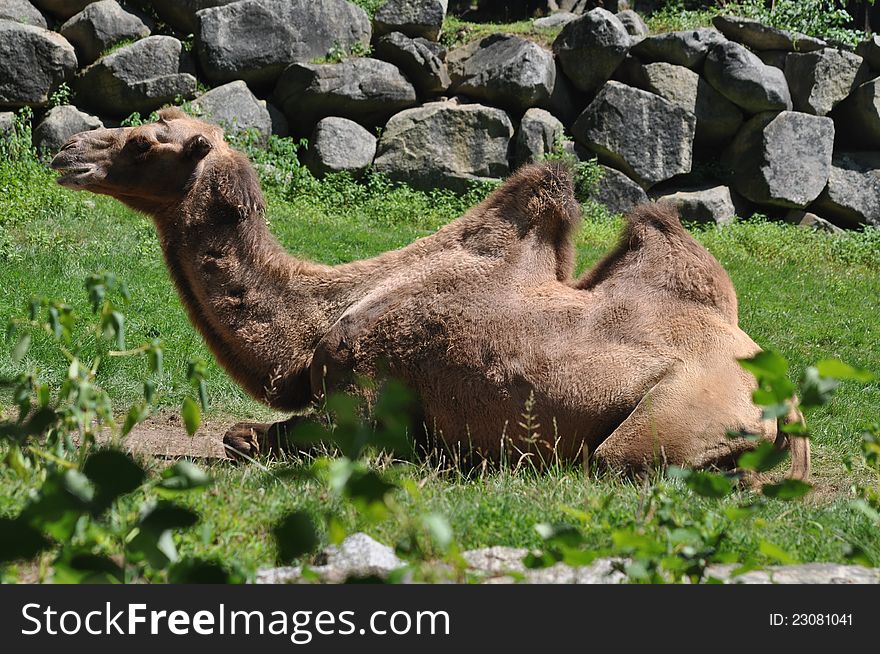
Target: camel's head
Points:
(148, 167)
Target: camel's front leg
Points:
(250, 439)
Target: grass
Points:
(805, 294)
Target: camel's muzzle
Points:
(78, 160)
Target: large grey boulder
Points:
(181, 14)
(820, 80)
(687, 48)
(538, 132)
(139, 77)
(255, 40)
(617, 192)
(590, 48)
(62, 9)
(417, 60)
(758, 36)
(59, 124)
(100, 26)
(718, 119)
(445, 145)
(704, 204)
(411, 17)
(633, 23)
(340, 145)
(21, 11)
(640, 133)
(235, 108)
(366, 90)
(741, 77)
(852, 197)
(503, 70)
(858, 117)
(781, 159)
(33, 62)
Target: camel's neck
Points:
(260, 310)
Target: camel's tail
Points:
(798, 445)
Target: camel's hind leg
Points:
(684, 419)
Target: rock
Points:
(781, 159)
(366, 90)
(62, 9)
(852, 197)
(235, 108)
(503, 70)
(279, 121)
(688, 48)
(504, 564)
(758, 36)
(59, 124)
(445, 145)
(537, 135)
(869, 50)
(357, 557)
(819, 80)
(33, 62)
(590, 48)
(645, 136)
(7, 122)
(361, 557)
(633, 24)
(718, 119)
(809, 220)
(706, 204)
(804, 573)
(559, 19)
(858, 117)
(255, 40)
(417, 60)
(338, 145)
(139, 77)
(745, 80)
(411, 17)
(617, 191)
(21, 11)
(181, 14)
(100, 26)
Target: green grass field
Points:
(807, 295)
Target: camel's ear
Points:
(197, 148)
(239, 186)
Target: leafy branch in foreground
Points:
(75, 520)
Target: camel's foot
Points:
(246, 440)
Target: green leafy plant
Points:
(53, 444)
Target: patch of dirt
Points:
(164, 436)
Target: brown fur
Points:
(636, 361)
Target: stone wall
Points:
(728, 120)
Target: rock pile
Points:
(723, 120)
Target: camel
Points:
(635, 363)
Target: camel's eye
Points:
(141, 144)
